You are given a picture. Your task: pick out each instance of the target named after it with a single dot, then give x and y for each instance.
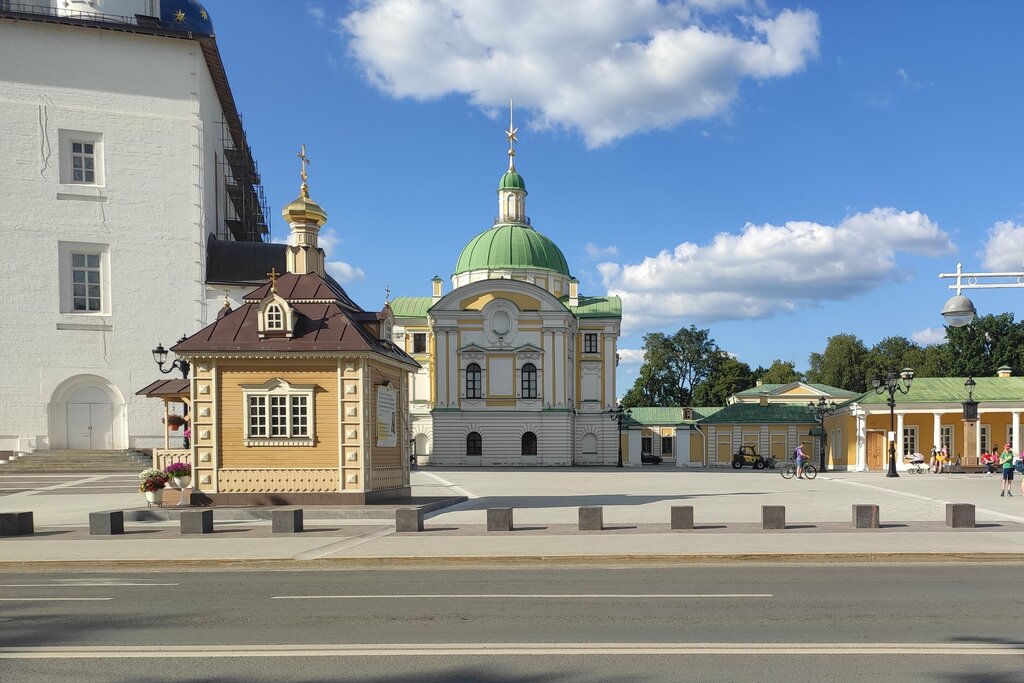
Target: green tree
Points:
(779, 372)
(983, 346)
(841, 364)
(893, 352)
(727, 377)
(672, 368)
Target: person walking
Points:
(936, 462)
(800, 458)
(1006, 463)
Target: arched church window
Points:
(474, 444)
(473, 381)
(510, 205)
(529, 381)
(529, 443)
(275, 317)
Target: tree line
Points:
(689, 369)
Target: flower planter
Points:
(174, 428)
(182, 482)
(152, 496)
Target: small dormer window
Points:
(275, 317)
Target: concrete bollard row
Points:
(109, 523)
(865, 516)
(591, 518)
(499, 519)
(773, 516)
(286, 521)
(960, 515)
(682, 517)
(408, 520)
(196, 522)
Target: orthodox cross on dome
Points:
(273, 280)
(510, 138)
(305, 160)
(387, 295)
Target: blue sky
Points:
(776, 172)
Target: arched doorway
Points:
(422, 444)
(86, 413)
(589, 449)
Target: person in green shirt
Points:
(1006, 462)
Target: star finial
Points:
(510, 137)
(273, 280)
(203, 14)
(179, 16)
(305, 160)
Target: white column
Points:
(977, 440)
(1015, 433)
(454, 387)
(549, 368)
(899, 442)
(936, 429)
(608, 399)
(682, 447)
(861, 435)
(441, 367)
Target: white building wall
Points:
(151, 99)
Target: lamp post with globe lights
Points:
(895, 382)
(819, 410)
(620, 415)
(959, 310)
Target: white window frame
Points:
(1009, 438)
(419, 337)
(66, 252)
(298, 422)
(984, 438)
(587, 337)
(947, 437)
(68, 141)
(909, 440)
(275, 318)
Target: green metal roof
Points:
(511, 245)
(769, 388)
(512, 181)
(754, 413)
(411, 306)
(952, 390)
(595, 306)
(651, 415)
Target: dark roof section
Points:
(242, 263)
(327, 324)
(306, 288)
(165, 388)
(754, 413)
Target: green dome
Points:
(511, 245)
(512, 181)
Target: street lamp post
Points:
(620, 415)
(819, 410)
(160, 356)
(895, 382)
(959, 310)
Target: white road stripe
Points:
(760, 649)
(986, 512)
(53, 599)
(80, 585)
(503, 596)
(457, 489)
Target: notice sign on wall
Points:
(387, 404)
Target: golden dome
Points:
(304, 210)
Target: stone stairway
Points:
(45, 462)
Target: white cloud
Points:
(596, 252)
(316, 13)
(607, 68)
(1004, 247)
(767, 270)
(906, 80)
(929, 336)
(343, 272)
(631, 356)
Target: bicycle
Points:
(789, 469)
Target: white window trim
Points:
(66, 137)
(65, 298)
(949, 430)
(280, 387)
(597, 342)
(984, 437)
(910, 434)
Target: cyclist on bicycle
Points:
(800, 458)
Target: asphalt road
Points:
(934, 622)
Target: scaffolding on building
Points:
(247, 217)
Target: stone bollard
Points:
(682, 516)
(499, 519)
(196, 522)
(591, 518)
(865, 516)
(16, 524)
(286, 521)
(960, 515)
(773, 516)
(408, 519)
(106, 523)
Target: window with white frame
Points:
(275, 317)
(81, 158)
(1009, 436)
(84, 273)
(984, 440)
(529, 381)
(909, 440)
(946, 437)
(474, 381)
(86, 290)
(590, 342)
(278, 413)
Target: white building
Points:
(124, 172)
(517, 367)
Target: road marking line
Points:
(787, 649)
(448, 484)
(53, 599)
(987, 512)
(631, 596)
(80, 585)
(331, 548)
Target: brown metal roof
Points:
(163, 388)
(328, 326)
(307, 287)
